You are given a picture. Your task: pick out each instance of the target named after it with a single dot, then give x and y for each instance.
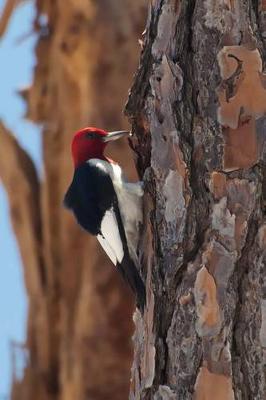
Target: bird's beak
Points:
(115, 135)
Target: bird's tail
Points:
(132, 276)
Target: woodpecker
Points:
(105, 204)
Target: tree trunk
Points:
(198, 106)
(79, 323)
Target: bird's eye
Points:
(91, 135)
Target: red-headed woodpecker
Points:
(105, 204)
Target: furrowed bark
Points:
(198, 108)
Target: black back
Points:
(90, 194)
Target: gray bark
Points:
(198, 107)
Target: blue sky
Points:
(17, 61)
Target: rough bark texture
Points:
(198, 112)
(79, 323)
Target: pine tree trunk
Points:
(198, 108)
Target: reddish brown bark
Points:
(198, 111)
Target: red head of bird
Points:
(90, 143)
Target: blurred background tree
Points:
(80, 312)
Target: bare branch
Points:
(9, 7)
(19, 177)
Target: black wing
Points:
(90, 196)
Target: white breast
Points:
(129, 197)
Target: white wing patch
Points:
(110, 239)
(108, 250)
